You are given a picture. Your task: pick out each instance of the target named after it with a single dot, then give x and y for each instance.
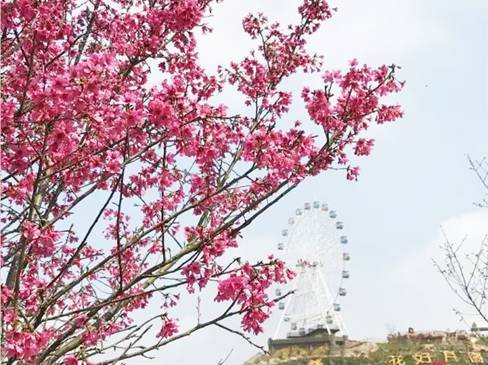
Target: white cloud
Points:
(422, 293)
(471, 227)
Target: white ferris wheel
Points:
(314, 247)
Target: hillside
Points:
(428, 348)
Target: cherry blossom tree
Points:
(117, 193)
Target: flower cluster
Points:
(168, 329)
(247, 287)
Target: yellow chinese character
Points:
(450, 356)
(283, 353)
(315, 362)
(396, 360)
(422, 358)
(475, 358)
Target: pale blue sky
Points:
(416, 179)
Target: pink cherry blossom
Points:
(168, 329)
(70, 360)
(363, 146)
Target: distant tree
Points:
(116, 193)
(467, 273)
(480, 169)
